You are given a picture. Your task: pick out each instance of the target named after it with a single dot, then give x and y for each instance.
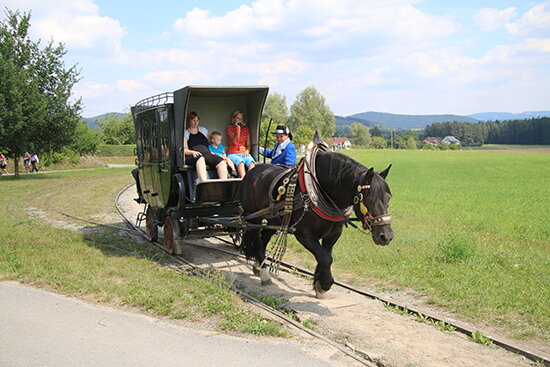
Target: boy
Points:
(217, 148)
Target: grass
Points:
(471, 233)
(116, 150)
(504, 147)
(85, 163)
(104, 265)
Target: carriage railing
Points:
(154, 101)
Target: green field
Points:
(472, 233)
(104, 265)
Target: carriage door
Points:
(147, 124)
(164, 166)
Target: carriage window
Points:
(164, 133)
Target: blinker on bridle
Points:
(368, 220)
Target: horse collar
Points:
(309, 184)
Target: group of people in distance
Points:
(29, 163)
(203, 150)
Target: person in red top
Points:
(238, 138)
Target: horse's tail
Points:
(246, 246)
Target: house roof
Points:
(431, 139)
(339, 140)
(451, 139)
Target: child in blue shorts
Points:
(217, 148)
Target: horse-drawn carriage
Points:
(313, 200)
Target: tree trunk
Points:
(16, 166)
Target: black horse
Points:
(344, 183)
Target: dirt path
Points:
(395, 339)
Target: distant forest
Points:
(534, 131)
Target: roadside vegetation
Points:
(471, 235)
(38, 247)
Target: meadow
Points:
(472, 234)
(44, 249)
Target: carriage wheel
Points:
(151, 226)
(237, 239)
(172, 235)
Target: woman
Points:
(195, 148)
(238, 137)
(3, 165)
(27, 162)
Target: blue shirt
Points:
(217, 151)
(284, 154)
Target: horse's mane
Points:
(344, 170)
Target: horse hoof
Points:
(255, 270)
(265, 277)
(319, 292)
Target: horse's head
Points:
(371, 206)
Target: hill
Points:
(492, 116)
(92, 121)
(408, 121)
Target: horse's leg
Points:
(322, 280)
(258, 249)
(326, 280)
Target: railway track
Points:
(358, 355)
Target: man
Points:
(284, 152)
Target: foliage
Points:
(275, 108)
(478, 337)
(106, 150)
(360, 135)
(118, 130)
(379, 142)
(376, 131)
(533, 131)
(302, 135)
(62, 156)
(310, 109)
(410, 143)
(36, 113)
(87, 140)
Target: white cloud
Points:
(535, 22)
(130, 86)
(538, 44)
(489, 19)
(176, 78)
(76, 23)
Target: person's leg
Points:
(251, 165)
(241, 171)
(222, 170)
(230, 164)
(200, 166)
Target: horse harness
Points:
(312, 196)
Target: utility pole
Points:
(391, 137)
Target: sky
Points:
(397, 56)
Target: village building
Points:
(450, 140)
(340, 143)
(431, 140)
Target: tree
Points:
(379, 142)
(360, 135)
(302, 135)
(410, 143)
(310, 109)
(275, 108)
(36, 113)
(87, 140)
(376, 131)
(117, 130)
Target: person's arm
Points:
(247, 144)
(290, 156)
(232, 136)
(187, 151)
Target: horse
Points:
(318, 218)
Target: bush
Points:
(454, 147)
(428, 146)
(115, 150)
(64, 156)
(443, 146)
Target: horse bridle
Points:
(369, 220)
